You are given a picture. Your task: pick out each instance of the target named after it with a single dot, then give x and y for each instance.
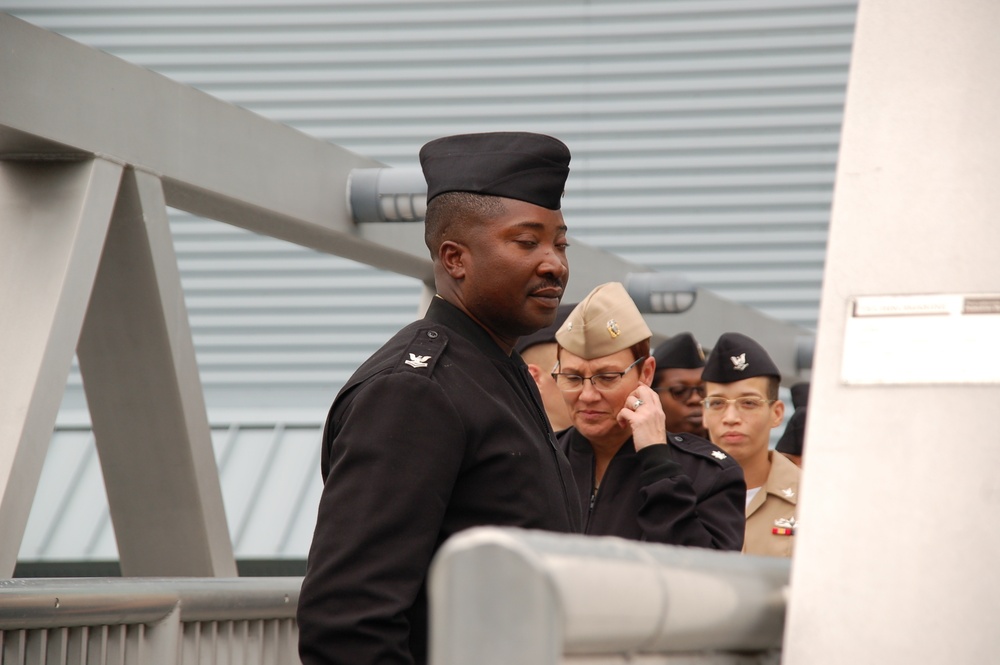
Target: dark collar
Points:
(579, 443)
(443, 312)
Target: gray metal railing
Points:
(498, 596)
(501, 596)
(246, 621)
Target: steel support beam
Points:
(897, 549)
(146, 401)
(55, 216)
(215, 159)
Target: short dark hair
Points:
(640, 349)
(773, 383)
(451, 209)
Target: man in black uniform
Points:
(679, 363)
(442, 428)
(792, 440)
(639, 481)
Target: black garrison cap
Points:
(546, 334)
(680, 352)
(737, 357)
(794, 435)
(515, 165)
(795, 430)
(800, 394)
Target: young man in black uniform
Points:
(679, 363)
(538, 350)
(637, 480)
(792, 440)
(442, 429)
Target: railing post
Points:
(162, 643)
(491, 604)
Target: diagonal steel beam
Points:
(146, 401)
(55, 216)
(215, 159)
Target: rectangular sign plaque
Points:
(922, 339)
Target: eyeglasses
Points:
(682, 393)
(743, 404)
(571, 383)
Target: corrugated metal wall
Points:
(270, 487)
(704, 135)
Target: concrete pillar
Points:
(898, 543)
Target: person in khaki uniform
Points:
(771, 512)
(741, 409)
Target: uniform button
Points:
(678, 438)
(432, 334)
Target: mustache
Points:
(553, 283)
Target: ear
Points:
(453, 256)
(777, 413)
(535, 371)
(648, 371)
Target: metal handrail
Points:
(41, 603)
(165, 621)
(505, 595)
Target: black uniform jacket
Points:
(438, 431)
(685, 492)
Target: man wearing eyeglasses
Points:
(679, 363)
(635, 479)
(741, 409)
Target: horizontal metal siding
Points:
(704, 137)
(270, 484)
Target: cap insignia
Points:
(613, 328)
(740, 362)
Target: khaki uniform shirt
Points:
(771, 513)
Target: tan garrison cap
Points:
(605, 322)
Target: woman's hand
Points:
(644, 414)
